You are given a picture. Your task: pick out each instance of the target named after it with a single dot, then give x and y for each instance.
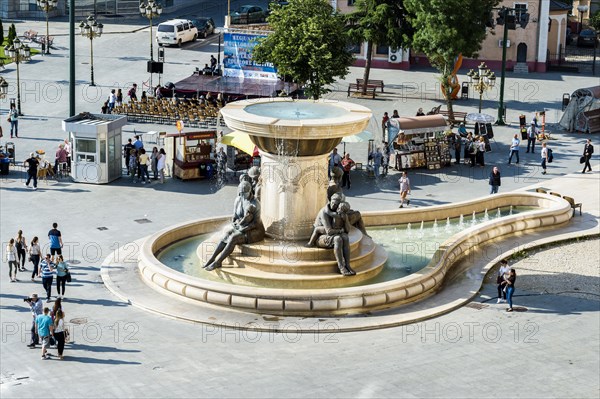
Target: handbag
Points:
(68, 276)
(67, 335)
(582, 160)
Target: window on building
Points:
(351, 2)
(354, 48)
(86, 145)
(382, 49)
(519, 9)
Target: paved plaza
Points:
(548, 349)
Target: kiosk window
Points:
(84, 145)
(103, 151)
(111, 149)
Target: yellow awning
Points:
(240, 141)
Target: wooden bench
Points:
(592, 121)
(574, 205)
(371, 83)
(356, 88)
(459, 117)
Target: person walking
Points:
(61, 276)
(34, 256)
(494, 180)
(347, 165)
(127, 153)
(404, 182)
(132, 93)
(21, 246)
(457, 147)
(36, 307)
(13, 118)
(11, 258)
(532, 133)
(160, 165)
(44, 330)
(588, 150)
(510, 288)
(56, 242)
(514, 148)
(377, 157)
(112, 100)
(544, 157)
(32, 164)
(119, 97)
(480, 154)
(47, 274)
(500, 280)
(467, 148)
(59, 332)
(384, 123)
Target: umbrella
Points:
(240, 141)
(357, 138)
(479, 118)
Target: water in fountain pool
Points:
(406, 253)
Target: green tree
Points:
(1, 33)
(595, 21)
(444, 29)
(378, 22)
(308, 43)
(12, 33)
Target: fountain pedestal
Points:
(293, 191)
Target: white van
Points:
(176, 32)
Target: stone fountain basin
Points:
(271, 124)
(550, 211)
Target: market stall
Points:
(190, 155)
(419, 142)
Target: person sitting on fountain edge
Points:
(246, 226)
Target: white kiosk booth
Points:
(96, 147)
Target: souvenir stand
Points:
(190, 155)
(420, 142)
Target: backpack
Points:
(550, 156)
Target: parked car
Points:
(176, 32)
(248, 15)
(205, 26)
(587, 38)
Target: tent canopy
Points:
(416, 125)
(240, 141)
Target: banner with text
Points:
(237, 60)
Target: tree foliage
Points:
(1, 33)
(308, 44)
(595, 21)
(378, 22)
(444, 29)
(12, 34)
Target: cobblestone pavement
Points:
(548, 349)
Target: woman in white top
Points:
(502, 273)
(59, 332)
(160, 164)
(11, 258)
(34, 256)
(544, 157)
(404, 189)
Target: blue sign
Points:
(237, 61)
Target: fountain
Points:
(498, 214)
(486, 217)
(279, 275)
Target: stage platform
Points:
(235, 88)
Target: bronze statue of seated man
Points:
(246, 226)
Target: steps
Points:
(521, 67)
(275, 264)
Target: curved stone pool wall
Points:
(550, 211)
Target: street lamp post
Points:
(151, 10)
(582, 10)
(47, 6)
(483, 79)
(18, 53)
(91, 29)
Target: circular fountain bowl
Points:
(299, 127)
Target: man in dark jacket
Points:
(588, 150)
(494, 180)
